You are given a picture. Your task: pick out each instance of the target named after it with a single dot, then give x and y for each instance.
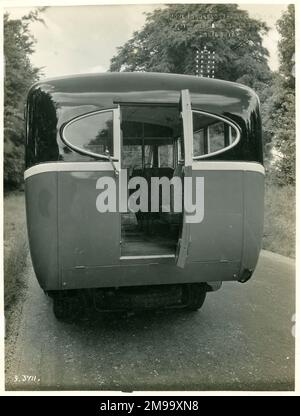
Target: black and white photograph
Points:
(149, 197)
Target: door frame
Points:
(187, 122)
(181, 253)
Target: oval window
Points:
(91, 134)
(212, 135)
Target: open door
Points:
(187, 123)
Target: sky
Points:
(83, 39)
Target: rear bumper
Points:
(165, 273)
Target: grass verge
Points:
(280, 220)
(15, 248)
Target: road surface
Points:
(240, 340)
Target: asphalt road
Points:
(240, 340)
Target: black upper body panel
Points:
(53, 102)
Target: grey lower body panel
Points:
(148, 274)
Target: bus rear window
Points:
(212, 135)
(91, 134)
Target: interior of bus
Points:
(152, 146)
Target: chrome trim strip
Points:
(154, 256)
(106, 166)
(230, 165)
(68, 167)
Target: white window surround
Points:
(116, 134)
(225, 149)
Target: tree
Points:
(282, 102)
(286, 46)
(19, 75)
(171, 36)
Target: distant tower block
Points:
(205, 63)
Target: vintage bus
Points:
(85, 131)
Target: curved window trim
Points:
(225, 149)
(86, 152)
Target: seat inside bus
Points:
(151, 147)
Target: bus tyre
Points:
(197, 295)
(65, 308)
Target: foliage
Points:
(280, 219)
(280, 105)
(171, 36)
(286, 46)
(19, 75)
(15, 247)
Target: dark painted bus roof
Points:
(129, 81)
(210, 94)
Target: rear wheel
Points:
(66, 308)
(196, 297)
